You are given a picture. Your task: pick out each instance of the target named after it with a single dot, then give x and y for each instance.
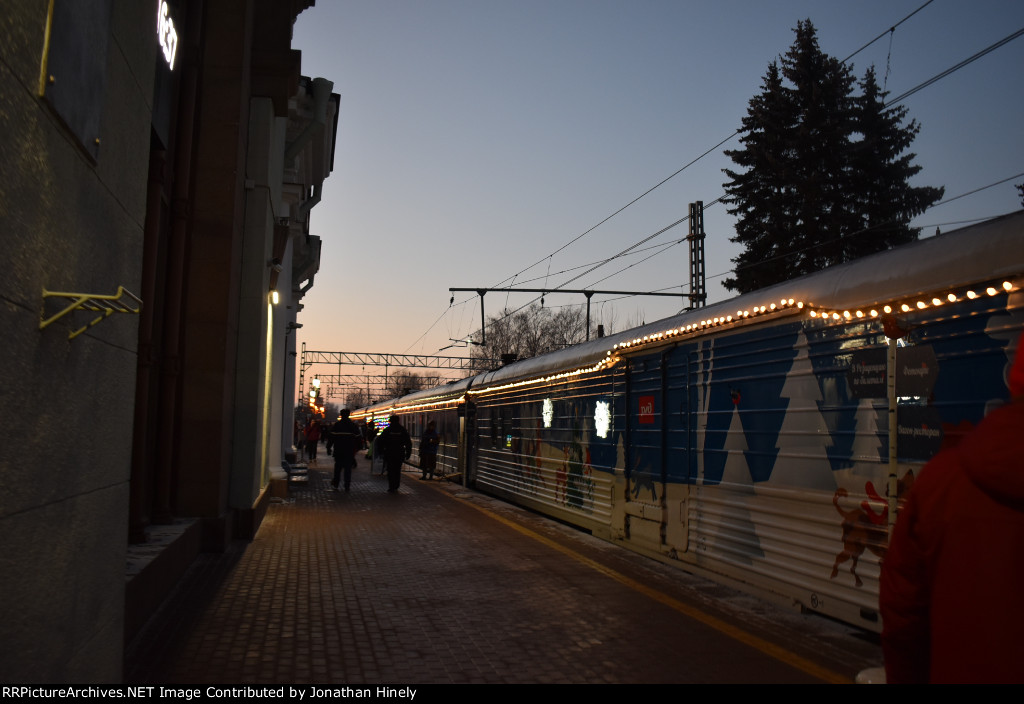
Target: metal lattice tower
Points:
(698, 292)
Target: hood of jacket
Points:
(993, 455)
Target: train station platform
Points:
(439, 584)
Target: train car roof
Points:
(453, 390)
(982, 252)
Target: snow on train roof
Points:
(986, 251)
(983, 252)
(453, 390)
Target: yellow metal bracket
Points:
(120, 302)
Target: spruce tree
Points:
(820, 165)
(764, 194)
(821, 96)
(882, 169)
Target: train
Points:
(763, 441)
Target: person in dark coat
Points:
(346, 440)
(394, 445)
(369, 436)
(428, 450)
(952, 585)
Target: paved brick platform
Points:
(437, 584)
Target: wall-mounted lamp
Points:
(275, 298)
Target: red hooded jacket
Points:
(952, 587)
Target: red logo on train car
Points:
(646, 410)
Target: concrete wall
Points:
(74, 225)
(258, 318)
(210, 322)
(73, 218)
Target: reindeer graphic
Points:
(863, 528)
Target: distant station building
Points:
(159, 164)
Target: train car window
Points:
(603, 419)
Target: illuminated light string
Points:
(786, 305)
(605, 363)
(611, 359)
(819, 313)
(387, 410)
(919, 303)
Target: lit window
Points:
(603, 418)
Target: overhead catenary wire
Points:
(888, 31)
(627, 205)
(661, 247)
(633, 246)
(910, 92)
(953, 69)
(731, 271)
(673, 175)
(603, 262)
(650, 190)
(792, 252)
(978, 190)
(619, 298)
(712, 150)
(691, 162)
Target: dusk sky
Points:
(478, 137)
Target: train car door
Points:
(645, 452)
(677, 447)
(467, 442)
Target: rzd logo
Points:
(646, 410)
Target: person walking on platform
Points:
(428, 450)
(312, 436)
(346, 441)
(369, 436)
(394, 445)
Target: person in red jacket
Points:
(952, 585)
(312, 434)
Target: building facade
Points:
(159, 162)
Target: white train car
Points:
(749, 440)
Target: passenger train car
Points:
(750, 440)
